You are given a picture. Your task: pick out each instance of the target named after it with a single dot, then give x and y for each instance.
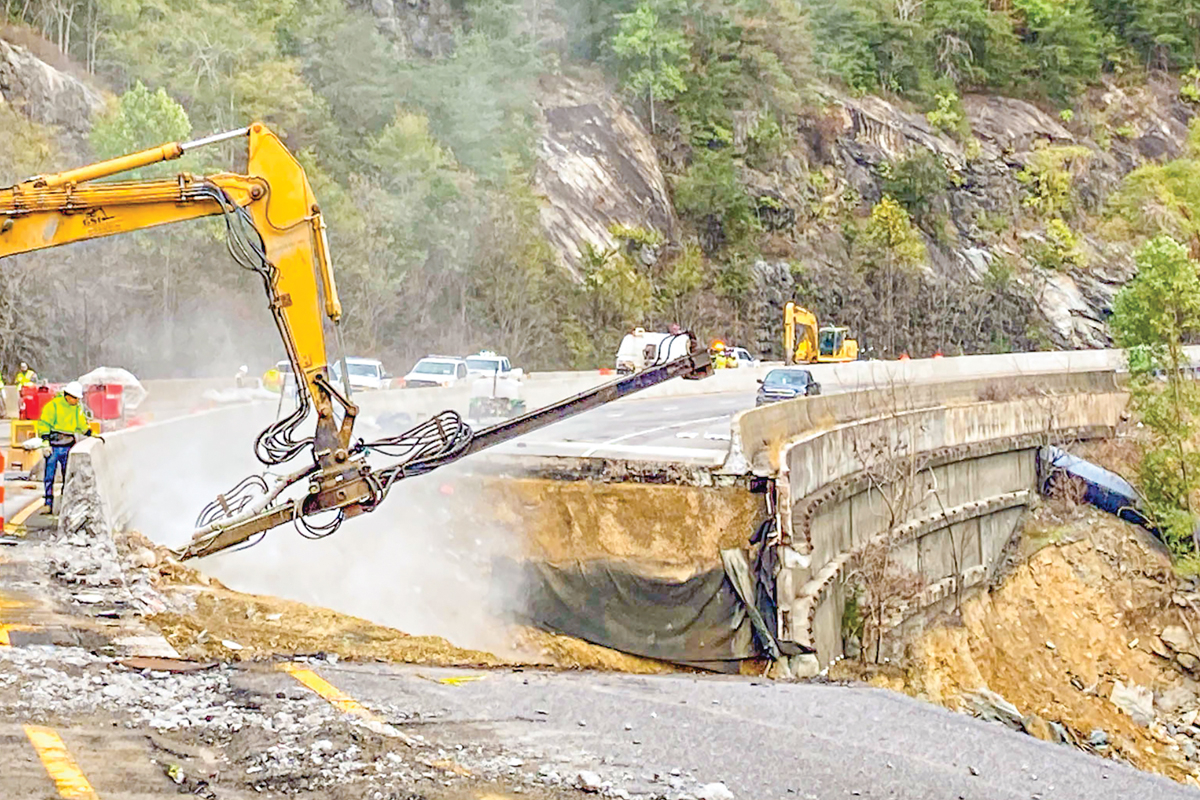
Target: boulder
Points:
(1179, 640)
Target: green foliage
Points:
(1065, 45)
(949, 117)
(1061, 249)
(1189, 86)
(139, 119)
(766, 142)
(1154, 315)
(1066, 115)
(28, 148)
(1049, 178)
(637, 235)
(1162, 198)
(712, 197)
(919, 183)
(652, 55)
(891, 237)
(750, 59)
(1165, 33)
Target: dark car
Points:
(784, 384)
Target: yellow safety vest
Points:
(28, 376)
(59, 415)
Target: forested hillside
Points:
(536, 177)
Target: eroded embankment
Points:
(562, 534)
(1070, 639)
(664, 529)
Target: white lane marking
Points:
(686, 435)
(720, 437)
(607, 445)
(617, 415)
(669, 408)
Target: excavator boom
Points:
(274, 228)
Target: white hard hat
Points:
(74, 388)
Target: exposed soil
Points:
(1080, 611)
(264, 628)
(671, 529)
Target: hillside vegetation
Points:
(418, 123)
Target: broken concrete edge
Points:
(603, 470)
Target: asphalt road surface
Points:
(689, 429)
(762, 740)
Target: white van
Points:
(661, 348)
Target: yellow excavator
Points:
(815, 345)
(274, 228)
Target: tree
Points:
(653, 55)
(892, 247)
(139, 119)
(1154, 316)
(712, 195)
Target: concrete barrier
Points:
(933, 475)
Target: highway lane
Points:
(691, 429)
(666, 735)
(687, 429)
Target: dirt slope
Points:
(1079, 613)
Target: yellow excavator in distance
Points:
(815, 345)
(274, 228)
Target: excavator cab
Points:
(834, 344)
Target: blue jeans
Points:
(57, 459)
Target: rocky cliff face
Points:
(597, 168)
(866, 133)
(45, 94)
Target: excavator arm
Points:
(275, 229)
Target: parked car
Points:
(365, 373)
(486, 363)
(436, 371)
(786, 383)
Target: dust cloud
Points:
(421, 563)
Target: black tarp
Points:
(698, 620)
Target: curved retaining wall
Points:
(936, 475)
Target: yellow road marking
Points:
(336, 697)
(18, 520)
(459, 680)
(344, 702)
(71, 782)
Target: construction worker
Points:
(721, 358)
(25, 376)
(62, 423)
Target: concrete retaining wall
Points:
(935, 475)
